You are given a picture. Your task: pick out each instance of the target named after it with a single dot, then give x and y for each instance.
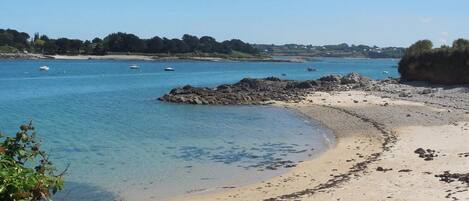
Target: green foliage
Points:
(420, 47)
(13, 38)
(442, 65)
(123, 43)
(461, 44)
(25, 171)
(8, 49)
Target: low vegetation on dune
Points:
(25, 171)
(444, 65)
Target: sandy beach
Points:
(377, 134)
(136, 57)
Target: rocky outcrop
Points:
(262, 91)
(354, 78)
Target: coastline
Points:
(373, 158)
(135, 57)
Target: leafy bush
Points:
(445, 65)
(25, 171)
(8, 49)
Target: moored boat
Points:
(44, 68)
(169, 69)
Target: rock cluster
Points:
(450, 177)
(427, 154)
(261, 91)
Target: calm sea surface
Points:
(103, 119)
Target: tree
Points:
(461, 44)
(155, 45)
(207, 44)
(191, 41)
(74, 46)
(63, 45)
(25, 171)
(97, 40)
(238, 45)
(123, 42)
(99, 49)
(50, 47)
(14, 39)
(420, 47)
(87, 47)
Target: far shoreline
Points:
(142, 57)
(136, 57)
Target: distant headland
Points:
(20, 45)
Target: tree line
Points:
(443, 65)
(122, 43)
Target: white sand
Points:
(362, 122)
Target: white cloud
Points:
(445, 34)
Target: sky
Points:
(316, 22)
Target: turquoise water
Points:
(103, 118)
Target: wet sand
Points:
(377, 133)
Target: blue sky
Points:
(317, 22)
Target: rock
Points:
(427, 155)
(260, 91)
(381, 169)
(451, 177)
(331, 78)
(420, 151)
(405, 170)
(426, 91)
(353, 78)
(306, 85)
(405, 95)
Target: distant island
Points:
(340, 50)
(124, 45)
(20, 45)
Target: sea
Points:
(103, 120)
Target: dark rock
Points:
(353, 78)
(426, 91)
(405, 170)
(427, 155)
(381, 169)
(260, 91)
(331, 78)
(451, 177)
(420, 151)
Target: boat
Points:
(134, 66)
(310, 69)
(169, 69)
(385, 72)
(44, 68)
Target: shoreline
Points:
(299, 178)
(123, 57)
(374, 157)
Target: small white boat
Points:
(134, 66)
(44, 68)
(311, 69)
(385, 72)
(169, 69)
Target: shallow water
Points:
(103, 119)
